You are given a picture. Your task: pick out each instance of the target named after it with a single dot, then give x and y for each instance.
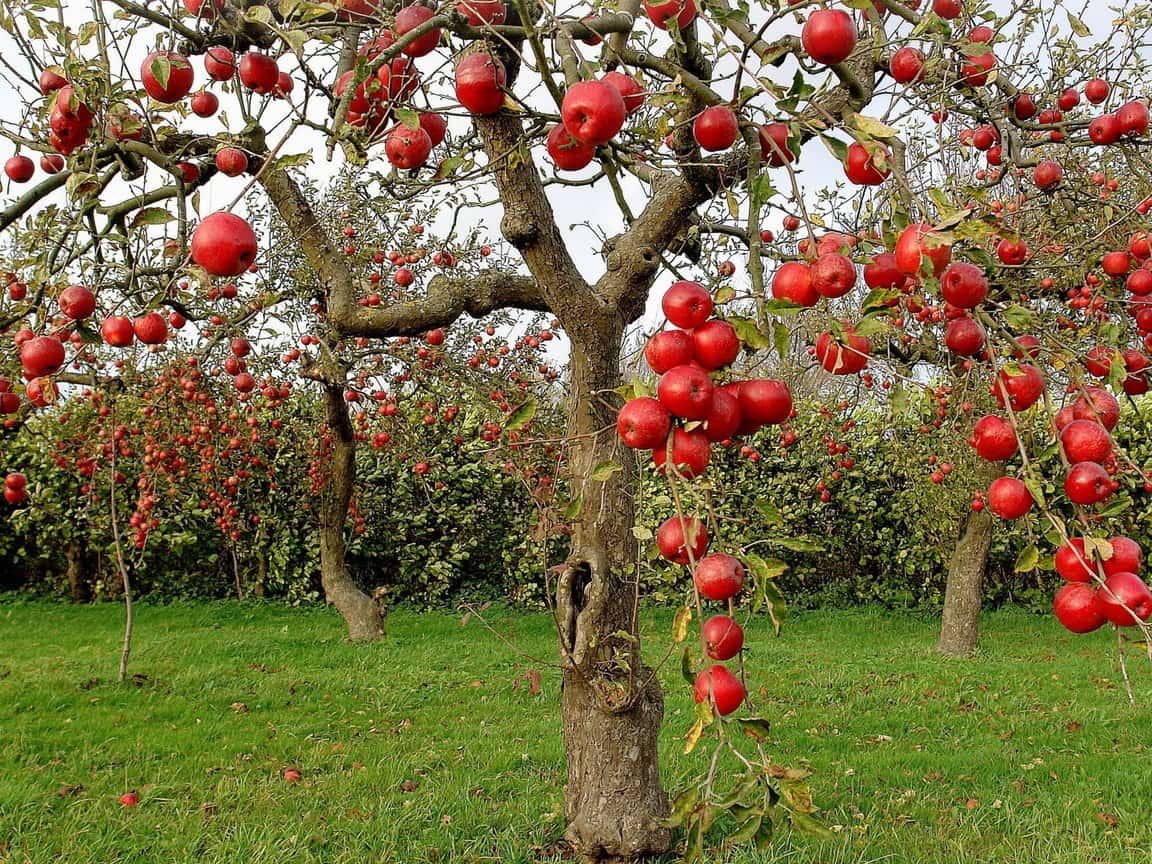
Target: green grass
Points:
(423, 749)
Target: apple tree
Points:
(666, 134)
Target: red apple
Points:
(829, 36)
(224, 244)
(643, 423)
(727, 691)
(1009, 498)
(205, 103)
(716, 128)
(1075, 607)
(593, 112)
(667, 349)
(793, 281)
(259, 72)
(686, 391)
(1086, 441)
(691, 453)
(77, 302)
(408, 19)
(719, 576)
(167, 76)
(1124, 598)
(479, 79)
(231, 161)
(19, 168)
(41, 355)
(117, 331)
(686, 304)
(568, 153)
(994, 439)
(723, 636)
(677, 537)
(406, 147)
(1088, 483)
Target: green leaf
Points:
(1020, 319)
(872, 127)
(686, 667)
(161, 69)
(680, 624)
(724, 294)
(747, 830)
(806, 824)
(797, 544)
(683, 804)
(259, 15)
(642, 533)
(770, 512)
(755, 727)
(1027, 560)
(408, 117)
(836, 147)
(782, 307)
(605, 470)
(521, 416)
(1078, 26)
(749, 333)
(151, 216)
(693, 737)
(782, 339)
(1037, 489)
(573, 508)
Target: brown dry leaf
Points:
(1072, 727)
(239, 707)
(1108, 819)
(409, 786)
(535, 681)
(972, 803)
(70, 790)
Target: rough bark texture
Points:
(612, 706)
(79, 583)
(360, 612)
(963, 595)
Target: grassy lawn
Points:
(430, 747)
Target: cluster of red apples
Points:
(689, 414)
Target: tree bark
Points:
(360, 612)
(76, 559)
(963, 593)
(612, 705)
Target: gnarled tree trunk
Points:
(76, 562)
(963, 594)
(612, 704)
(360, 612)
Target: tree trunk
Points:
(258, 586)
(79, 585)
(612, 704)
(963, 594)
(360, 612)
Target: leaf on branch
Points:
(686, 667)
(1027, 560)
(1078, 26)
(782, 307)
(521, 416)
(872, 127)
(798, 544)
(836, 147)
(749, 333)
(642, 533)
(755, 727)
(151, 216)
(680, 624)
(605, 470)
(259, 15)
(693, 737)
(770, 512)
(1037, 490)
